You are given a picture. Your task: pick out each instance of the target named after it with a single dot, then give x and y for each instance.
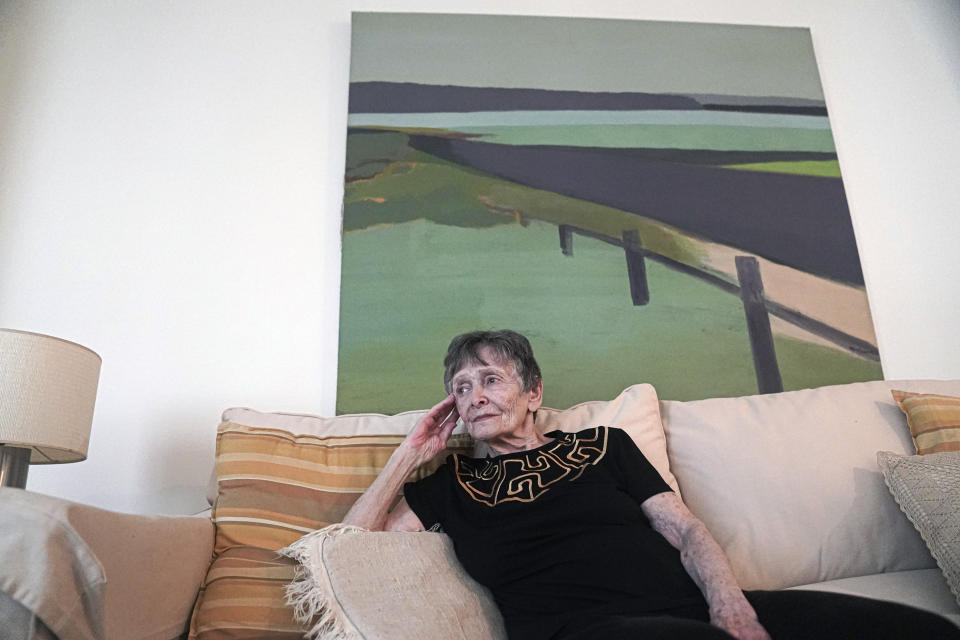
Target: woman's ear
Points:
(536, 396)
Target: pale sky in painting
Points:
(584, 54)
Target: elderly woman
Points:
(576, 534)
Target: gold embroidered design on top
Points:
(524, 478)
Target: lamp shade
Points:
(48, 387)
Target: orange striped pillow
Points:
(934, 420)
(243, 597)
(273, 487)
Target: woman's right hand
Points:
(429, 436)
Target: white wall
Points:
(171, 177)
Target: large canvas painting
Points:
(647, 201)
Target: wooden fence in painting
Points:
(749, 288)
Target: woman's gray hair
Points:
(507, 345)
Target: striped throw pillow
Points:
(273, 486)
(934, 420)
(243, 597)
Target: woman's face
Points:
(491, 400)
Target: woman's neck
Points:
(530, 438)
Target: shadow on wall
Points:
(894, 418)
(175, 474)
(18, 46)
(21, 23)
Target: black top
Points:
(557, 531)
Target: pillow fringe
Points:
(311, 594)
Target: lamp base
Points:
(14, 464)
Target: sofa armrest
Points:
(89, 573)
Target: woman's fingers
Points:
(449, 424)
(440, 411)
(447, 404)
(440, 420)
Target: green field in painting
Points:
(464, 121)
(408, 288)
(711, 137)
(432, 249)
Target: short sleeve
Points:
(428, 497)
(632, 470)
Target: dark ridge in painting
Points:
(767, 108)
(799, 221)
(408, 97)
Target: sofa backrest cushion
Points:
(788, 483)
(635, 410)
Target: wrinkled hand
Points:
(741, 624)
(429, 436)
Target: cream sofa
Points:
(788, 483)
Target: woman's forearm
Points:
(371, 509)
(707, 564)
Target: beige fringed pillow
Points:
(355, 584)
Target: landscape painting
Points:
(647, 201)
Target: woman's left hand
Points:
(741, 624)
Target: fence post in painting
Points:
(636, 268)
(758, 325)
(566, 239)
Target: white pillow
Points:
(636, 410)
(788, 482)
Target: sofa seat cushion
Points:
(788, 483)
(921, 588)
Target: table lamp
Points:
(47, 390)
